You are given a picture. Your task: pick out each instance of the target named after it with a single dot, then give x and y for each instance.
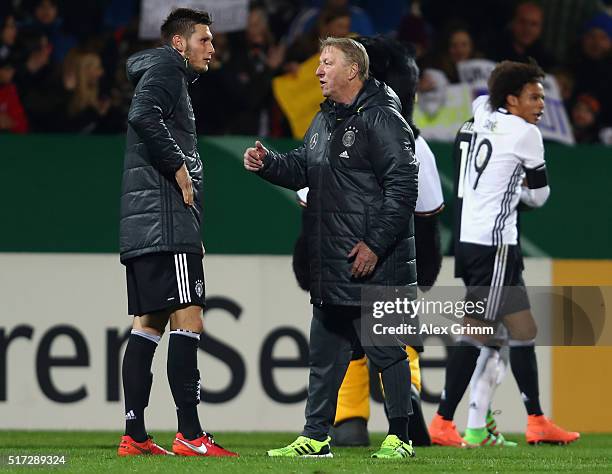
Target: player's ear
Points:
(512, 100)
(178, 42)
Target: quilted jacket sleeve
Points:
(156, 96)
(286, 169)
(396, 168)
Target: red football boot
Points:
(129, 447)
(205, 445)
(541, 430)
(444, 433)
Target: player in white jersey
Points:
(502, 166)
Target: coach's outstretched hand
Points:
(253, 157)
(365, 260)
(184, 181)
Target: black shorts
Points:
(493, 274)
(162, 281)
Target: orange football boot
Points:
(129, 447)
(541, 430)
(205, 445)
(444, 433)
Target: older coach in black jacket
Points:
(357, 160)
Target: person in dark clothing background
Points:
(523, 38)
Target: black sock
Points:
(184, 379)
(525, 369)
(459, 369)
(399, 428)
(137, 378)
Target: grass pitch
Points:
(96, 452)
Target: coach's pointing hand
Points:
(184, 181)
(365, 260)
(253, 157)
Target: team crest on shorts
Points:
(199, 288)
(349, 137)
(314, 140)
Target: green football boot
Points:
(491, 422)
(304, 447)
(484, 438)
(394, 448)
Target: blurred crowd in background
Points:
(62, 62)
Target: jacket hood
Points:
(141, 62)
(372, 94)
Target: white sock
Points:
(482, 387)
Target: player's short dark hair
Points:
(182, 21)
(509, 78)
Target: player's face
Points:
(334, 73)
(200, 49)
(530, 104)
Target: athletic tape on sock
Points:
(517, 343)
(185, 332)
(146, 335)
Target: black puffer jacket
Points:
(161, 137)
(358, 162)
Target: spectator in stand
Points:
(8, 36)
(307, 20)
(34, 70)
(12, 116)
(457, 45)
(86, 111)
(593, 65)
(334, 21)
(118, 14)
(254, 63)
(47, 106)
(565, 81)
(563, 23)
(415, 30)
(385, 14)
(522, 40)
(585, 114)
(280, 14)
(46, 20)
(484, 18)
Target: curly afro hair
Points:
(509, 78)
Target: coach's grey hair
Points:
(353, 51)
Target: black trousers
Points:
(334, 330)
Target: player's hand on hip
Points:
(184, 181)
(365, 260)
(254, 156)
